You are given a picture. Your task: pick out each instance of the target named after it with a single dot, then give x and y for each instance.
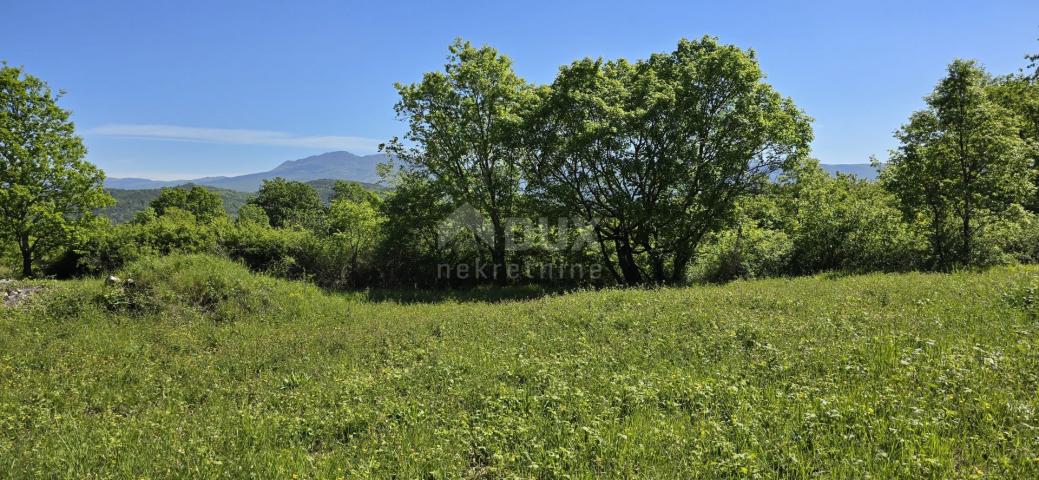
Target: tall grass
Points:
(202, 369)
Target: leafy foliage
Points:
(204, 204)
(844, 224)
(176, 231)
(961, 163)
(684, 163)
(656, 153)
(47, 190)
(463, 133)
(1020, 96)
(253, 214)
(286, 202)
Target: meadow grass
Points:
(201, 369)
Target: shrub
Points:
(213, 287)
(1012, 237)
(176, 231)
(266, 249)
(844, 223)
(747, 252)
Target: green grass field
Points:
(201, 369)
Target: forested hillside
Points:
(129, 202)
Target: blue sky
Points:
(185, 89)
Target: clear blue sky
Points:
(181, 89)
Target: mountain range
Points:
(331, 165)
(347, 166)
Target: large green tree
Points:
(354, 226)
(347, 190)
(204, 204)
(961, 162)
(47, 189)
(463, 134)
(655, 153)
(412, 248)
(286, 202)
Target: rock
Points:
(14, 296)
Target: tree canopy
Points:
(286, 201)
(961, 163)
(47, 189)
(204, 204)
(655, 153)
(463, 132)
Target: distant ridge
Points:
(331, 165)
(864, 171)
(347, 166)
(130, 201)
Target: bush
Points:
(747, 252)
(173, 232)
(213, 287)
(1011, 238)
(844, 223)
(338, 259)
(266, 249)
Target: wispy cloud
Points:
(236, 136)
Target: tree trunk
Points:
(500, 274)
(626, 259)
(659, 275)
(968, 243)
(26, 249)
(678, 273)
(678, 270)
(939, 246)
